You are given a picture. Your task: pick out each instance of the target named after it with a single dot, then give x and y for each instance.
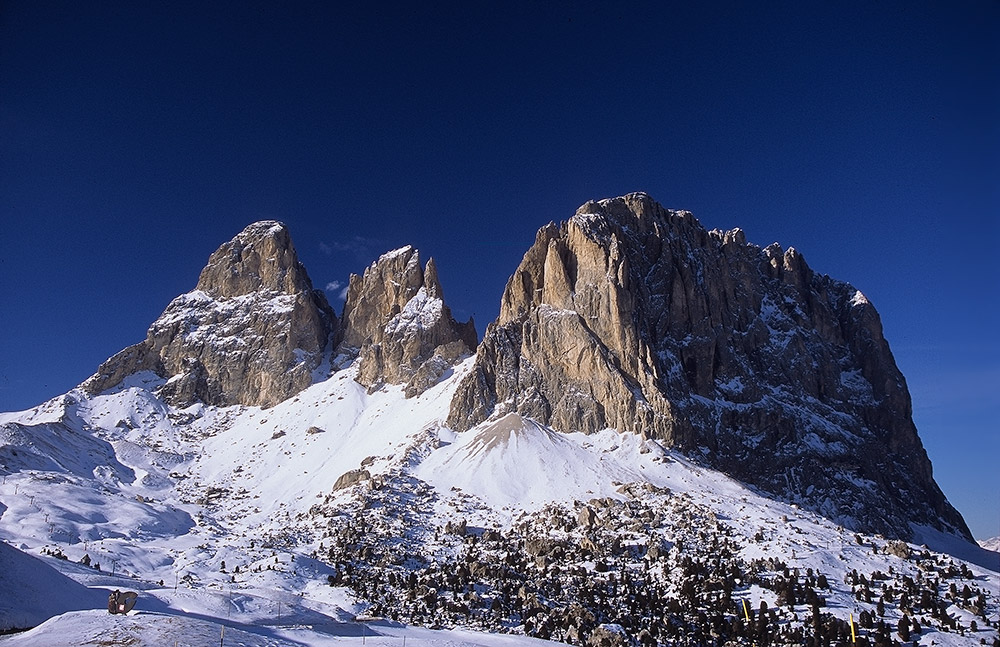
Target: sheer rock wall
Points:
(635, 317)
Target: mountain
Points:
(395, 318)
(251, 332)
(578, 476)
(284, 524)
(254, 331)
(634, 317)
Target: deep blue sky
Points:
(135, 139)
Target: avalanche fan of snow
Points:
(516, 463)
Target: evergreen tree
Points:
(817, 624)
(903, 628)
(763, 635)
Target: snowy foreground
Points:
(204, 616)
(220, 517)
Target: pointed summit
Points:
(431, 281)
(395, 318)
(386, 286)
(260, 258)
(251, 332)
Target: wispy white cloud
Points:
(362, 248)
(339, 287)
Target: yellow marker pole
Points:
(854, 638)
(746, 612)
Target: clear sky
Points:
(137, 137)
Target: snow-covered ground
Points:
(215, 515)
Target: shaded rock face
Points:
(251, 332)
(396, 320)
(635, 317)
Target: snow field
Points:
(156, 494)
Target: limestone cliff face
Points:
(635, 317)
(395, 318)
(251, 332)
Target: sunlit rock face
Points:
(251, 332)
(637, 318)
(396, 319)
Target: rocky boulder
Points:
(396, 320)
(251, 332)
(353, 477)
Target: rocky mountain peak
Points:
(431, 281)
(251, 332)
(260, 258)
(386, 286)
(635, 317)
(396, 320)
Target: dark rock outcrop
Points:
(251, 332)
(395, 318)
(635, 317)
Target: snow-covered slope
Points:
(339, 501)
(34, 591)
(167, 628)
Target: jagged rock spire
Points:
(387, 285)
(395, 318)
(261, 258)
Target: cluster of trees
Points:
(59, 554)
(55, 552)
(652, 571)
(924, 600)
(643, 572)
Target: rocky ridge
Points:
(251, 332)
(604, 539)
(627, 316)
(254, 331)
(635, 317)
(396, 321)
